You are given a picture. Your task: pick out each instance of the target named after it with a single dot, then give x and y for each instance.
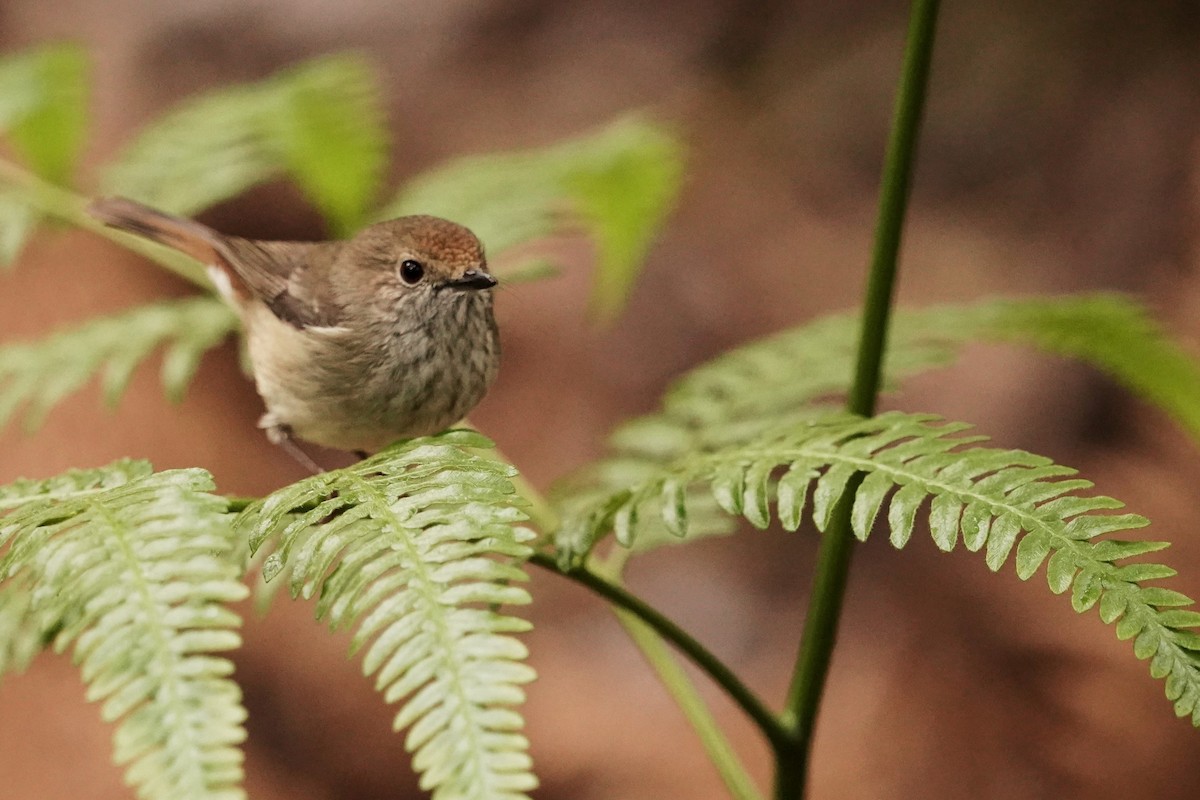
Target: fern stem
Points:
(833, 559)
(621, 597)
(69, 207)
(683, 691)
(649, 640)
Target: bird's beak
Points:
(472, 279)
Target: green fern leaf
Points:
(321, 123)
(414, 545)
(1110, 332)
(620, 182)
(43, 107)
(43, 96)
(131, 569)
(328, 129)
(40, 374)
(780, 381)
(1017, 502)
(767, 380)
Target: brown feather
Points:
(185, 235)
(265, 271)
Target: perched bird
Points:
(353, 344)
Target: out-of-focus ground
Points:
(1061, 152)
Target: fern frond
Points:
(620, 182)
(131, 568)
(766, 385)
(321, 123)
(328, 128)
(997, 501)
(40, 374)
(782, 380)
(414, 545)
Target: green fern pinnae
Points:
(776, 380)
(995, 501)
(1110, 332)
(70, 485)
(204, 152)
(415, 546)
(43, 110)
(618, 182)
(43, 107)
(21, 636)
(781, 381)
(320, 123)
(131, 568)
(40, 374)
(328, 129)
(795, 367)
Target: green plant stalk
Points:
(680, 686)
(69, 207)
(697, 713)
(639, 621)
(646, 627)
(681, 639)
(833, 558)
(650, 642)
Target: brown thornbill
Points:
(355, 343)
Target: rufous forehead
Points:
(441, 238)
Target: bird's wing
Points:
(272, 272)
(280, 274)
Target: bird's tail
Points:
(191, 238)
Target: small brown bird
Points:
(353, 344)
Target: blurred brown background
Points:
(1061, 152)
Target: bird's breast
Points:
(361, 386)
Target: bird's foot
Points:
(280, 434)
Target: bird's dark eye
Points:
(411, 271)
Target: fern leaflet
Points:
(43, 94)
(40, 374)
(795, 367)
(782, 380)
(993, 500)
(43, 107)
(413, 545)
(21, 638)
(620, 182)
(320, 123)
(132, 569)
